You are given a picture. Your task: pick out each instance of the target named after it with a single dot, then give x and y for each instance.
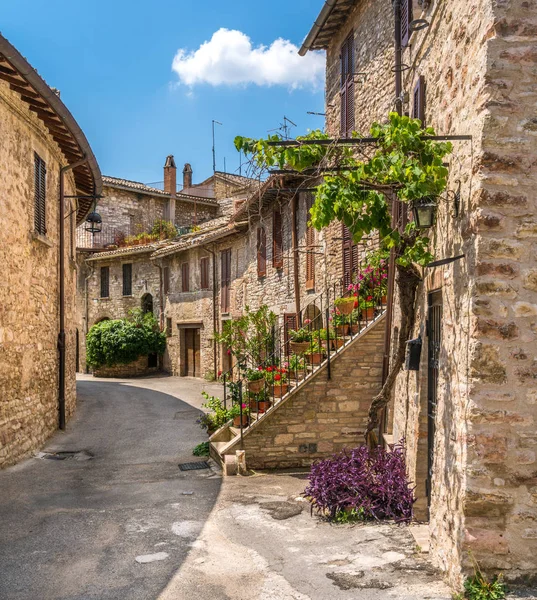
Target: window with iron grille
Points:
(406, 19)
(277, 240)
(40, 185)
(105, 282)
(165, 280)
(168, 327)
(204, 271)
(185, 277)
(310, 246)
(347, 87)
(127, 279)
(261, 252)
(225, 276)
(418, 104)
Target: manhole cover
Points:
(66, 455)
(194, 466)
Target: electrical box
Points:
(413, 354)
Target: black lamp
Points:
(424, 211)
(94, 223)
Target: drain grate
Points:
(193, 466)
(66, 455)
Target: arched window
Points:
(147, 303)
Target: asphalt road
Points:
(117, 525)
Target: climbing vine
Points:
(356, 185)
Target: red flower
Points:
(356, 304)
(269, 369)
(369, 298)
(219, 373)
(277, 377)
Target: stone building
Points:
(468, 414)
(48, 178)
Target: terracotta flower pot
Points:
(338, 343)
(237, 421)
(264, 405)
(297, 375)
(355, 328)
(368, 314)
(342, 330)
(280, 390)
(256, 386)
(316, 358)
(299, 347)
(384, 300)
(346, 308)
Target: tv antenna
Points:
(285, 127)
(214, 152)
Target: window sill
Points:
(127, 296)
(104, 299)
(43, 239)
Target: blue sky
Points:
(112, 61)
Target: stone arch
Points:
(101, 319)
(147, 303)
(313, 313)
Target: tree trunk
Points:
(407, 280)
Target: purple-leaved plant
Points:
(374, 481)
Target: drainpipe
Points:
(86, 305)
(215, 314)
(161, 297)
(294, 243)
(395, 210)
(61, 334)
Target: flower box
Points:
(345, 305)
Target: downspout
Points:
(215, 315)
(161, 297)
(395, 210)
(61, 334)
(294, 243)
(86, 307)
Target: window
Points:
(347, 87)
(310, 247)
(418, 104)
(350, 256)
(127, 279)
(147, 303)
(261, 252)
(105, 282)
(168, 327)
(277, 240)
(185, 277)
(165, 280)
(406, 19)
(225, 276)
(40, 184)
(204, 270)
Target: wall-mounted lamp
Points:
(94, 222)
(424, 211)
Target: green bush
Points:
(122, 341)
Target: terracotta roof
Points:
(206, 187)
(333, 15)
(219, 230)
(128, 251)
(127, 184)
(47, 106)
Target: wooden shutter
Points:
(406, 19)
(225, 277)
(277, 240)
(261, 252)
(310, 247)
(185, 277)
(347, 122)
(127, 279)
(166, 280)
(40, 186)
(105, 282)
(418, 107)
(290, 323)
(204, 269)
(349, 254)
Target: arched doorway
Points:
(313, 314)
(147, 303)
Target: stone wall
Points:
(29, 321)
(137, 368)
(325, 415)
(478, 62)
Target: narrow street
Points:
(121, 521)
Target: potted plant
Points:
(256, 380)
(299, 340)
(277, 378)
(345, 304)
(296, 367)
(340, 322)
(367, 308)
(315, 353)
(235, 413)
(355, 320)
(260, 403)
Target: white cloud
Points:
(229, 58)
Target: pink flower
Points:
(229, 352)
(307, 321)
(244, 406)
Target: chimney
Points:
(170, 176)
(187, 176)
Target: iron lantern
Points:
(424, 211)
(94, 223)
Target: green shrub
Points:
(201, 449)
(122, 341)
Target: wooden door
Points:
(192, 353)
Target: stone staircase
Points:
(322, 414)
